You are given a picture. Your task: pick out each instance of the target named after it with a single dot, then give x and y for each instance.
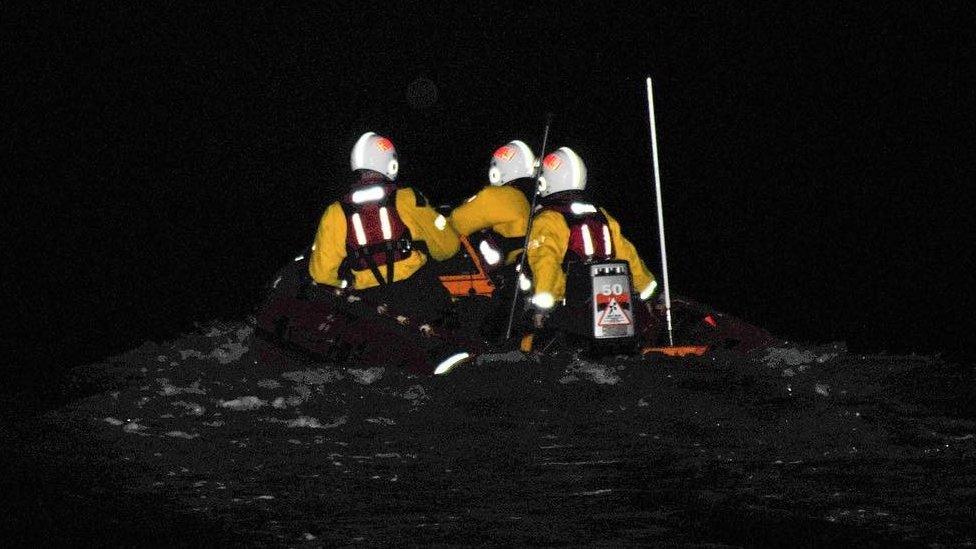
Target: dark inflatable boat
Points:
(337, 325)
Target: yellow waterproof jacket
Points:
(329, 249)
(503, 209)
(547, 247)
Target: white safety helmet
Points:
(511, 161)
(375, 152)
(562, 170)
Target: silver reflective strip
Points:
(607, 243)
(543, 300)
(371, 194)
(357, 224)
(490, 254)
(649, 290)
(587, 241)
(580, 208)
(385, 224)
(450, 362)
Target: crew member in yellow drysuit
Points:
(569, 227)
(377, 239)
(495, 219)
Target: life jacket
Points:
(375, 232)
(495, 241)
(589, 230)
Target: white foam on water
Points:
(133, 428)
(192, 408)
(415, 393)
(318, 376)
(182, 434)
(243, 404)
(509, 357)
(796, 356)
(168, 389)
(789, 356)
(314, 423)
(597, 373)
(269, 384)
(229, 352)
(594, 492)
(367, 376)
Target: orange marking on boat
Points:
(679, 351)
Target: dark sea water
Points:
(216, 437)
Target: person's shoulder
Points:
(412, 196)
(609, 217)
(333, 213)
(487, 191)
(504, 192)
(547, 215)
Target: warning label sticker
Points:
(613, 314)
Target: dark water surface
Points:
(215, 438)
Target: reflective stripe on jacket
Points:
(504, 210)
(548, 245)
(329, 249)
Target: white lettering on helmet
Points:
(607, 243)
(440, 222)
(647, 292)
(385, 224)
(580, 208)
(490, 254)
(587, 241)
(371, 194)
(543, 300)
(357, 224)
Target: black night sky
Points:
(168, 157)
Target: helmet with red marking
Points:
(562, 170)
(375, 152)
(511, 161)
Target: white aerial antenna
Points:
(660, 212)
